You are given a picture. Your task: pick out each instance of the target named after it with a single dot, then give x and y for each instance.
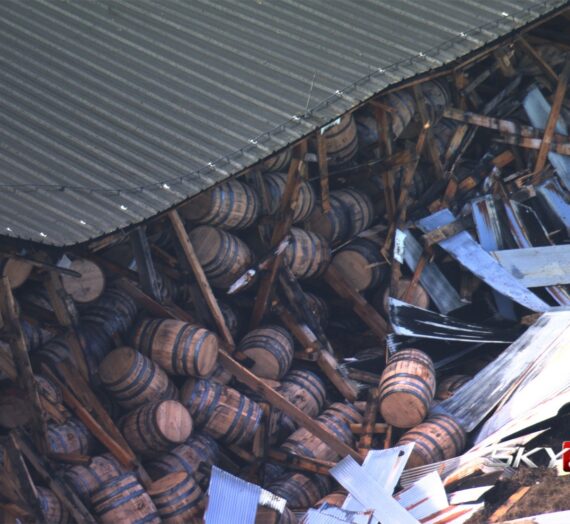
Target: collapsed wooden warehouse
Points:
(280, 263)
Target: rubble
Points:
(344, 333)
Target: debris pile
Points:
(348, 332)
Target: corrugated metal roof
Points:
(113, 111)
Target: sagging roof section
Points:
(113, 111)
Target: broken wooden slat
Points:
(535, 143)
(145, 267)
(299, 462)
(21, 361)
(369, 422)
(546, 69)
(432, 148)
(203, 283)
(499, 514)
(323, 171)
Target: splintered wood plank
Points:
(369, 422)
(562, 148)
(323, 172)
(359, 304)
(499, 514)
(203, 283)
(64, 309)
(432, 149)
(145, 265)
(299, 462)
(552, 120)
(281, 230)
(21, 361)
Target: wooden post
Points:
(145, 267)
(64, 309)
(552, 120)
(203, 283)
(281, 230)
(323, 171)
(21, 359)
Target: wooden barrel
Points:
(449, 385)
(16, 270)
(336, 498)
(334, 225)
(275, 186)
(305, 390)
(156, 426)
(319, 308)
(123, 499)
(177, 497)
(35, 336)
(133, 379)
(301, 490)
(279, 161)
(198, 451)
(308, 254)
(266, 515)
(114, 312)
(360, 264)
(51, 398)
(58, 350)
(178, 347)
(224, 257)
(407, 387)
(341, 141)
(87, 288)
(439, 438)
(270, 349)
(358, 208)
(418, 296)
(442, 134)
(71, 437)
(232, 318)
(221, 411)
(337, 419)
(85, 480)
(52, 509)
(231, 205)
(437, 98)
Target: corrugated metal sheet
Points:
(112, 111)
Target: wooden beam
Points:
(203, 283)
(323, 171)
(299, 462)
(359, 304)
(535, 143)
(277, 400)
(66, 314)
(552, 120)
(385, 145)
(369, 422)
(281, 230)
(544, 67)
(21, 360)
(148, 276)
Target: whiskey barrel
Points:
(275, 185)
(85, 480)
(305, 390)
(407, 387)
(337, 419)
(301, 490)
(279, 161)
(358, 208)
(437, 98)
(438, 438)
(133, 379)
(16, 270)
(114, 312)
(270, 348)
(341, 141)
(449, 385)
(51, 399)
(231, 205)
(71, 437)
(89, 286)
(360, 264)
(52, 509)
(266, 515)
(308, 254)
(223, 256)
(177, 497)
(336, 498)
(319, 308)
(221, 411)
(156, 427)
(334, 225)
(442, 134)
(178, 347)
(232, 318)
(418, 296)
(123, 499)
(198, 451)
